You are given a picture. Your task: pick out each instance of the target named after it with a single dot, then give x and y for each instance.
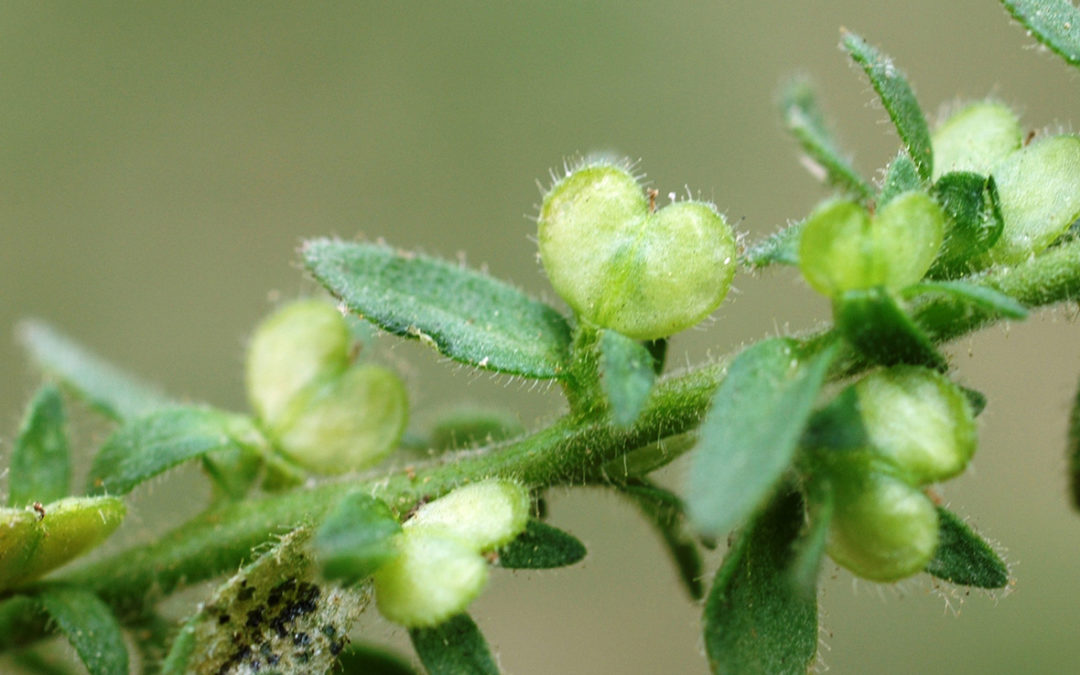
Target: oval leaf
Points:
(145, 447)
(872, 322)
(1055, 23)
(466, 315)
(898, 99)
(454, 647)
(541, 546)
(962, 556)
(356, 538)
(90, 627)
(750, 434)
(40, 468)
(627, 375)
(756, 621)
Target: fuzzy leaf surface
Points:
(103, 386)
(779, 248)
(541, 546)
(454, 647)
(466, 315)
(40, 469)
(805, 120)
(968, 297)
(627, 375)
(874, 324)
(750, 434)
(1055, 23)
(899, 100)
(756, 621)
(147, 446)
(666, 512)
(963, 557)
(356, 538)
(90, 627)
(901, 177)
(973, 209)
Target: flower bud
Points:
(299, 343)
(975, 138)
(919, 421)
(433, 578)
(843, 248)
(484, 515)
(345, 423)
(622, 265)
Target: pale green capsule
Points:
(975, 138)
(484, 515)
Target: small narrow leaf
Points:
(466, 315)
(666, 513)
(810, 548)
(1055, 23)
(1073, 451)
(967, 297)
(901, 177)
(756, 621)
(658, 350)
(371, 660)
(780, 248)
(105, 387)
(974, 221)
(40, 468)
(976, 399)
(356, 538)
(750, 434)
(962, 556)
(875, 325)
(147, 446)
(454, 647)
(899, 100)
(627, 375)
(90, 627)
(806, 122)
(541, 546)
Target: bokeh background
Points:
(160, 163)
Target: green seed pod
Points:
(484, 515)
(297, 344)
(621, 265)
(882, 528)
(975, 138)
(1039, 189)
(345, 423)
(842, 248)
(919, 421)
(35, 541)
(434, 577)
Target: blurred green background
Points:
(162, 161)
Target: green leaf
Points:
(876, 326)
(147, 446)
(103, 386)
(973, 210)
(1055, 23)
(454, 647)
(806, 122)
(90, 627)
(898, 99)
(40, 468)
(1073, 451)
(778, 248)
(756, 621)
(666, 513)
(627, 375)
(967, 297)
(810, 547)
(356, 538)
(371, 660)
(962, 556)
(976, 399)
(901, 177)
(541, 546)
(466, 315)
(750, 434)
(837, 426)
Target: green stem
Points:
(573, 450)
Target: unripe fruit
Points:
(484, 515)
(975, 138)
(433, 578)
(842, 248)
(882, 528)
(918, 421)
(346, 423)
(299, 343)
(622, 266)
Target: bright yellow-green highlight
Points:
(975, 138)
(484, 515)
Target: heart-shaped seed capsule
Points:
(620, 264)
(843, 248)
